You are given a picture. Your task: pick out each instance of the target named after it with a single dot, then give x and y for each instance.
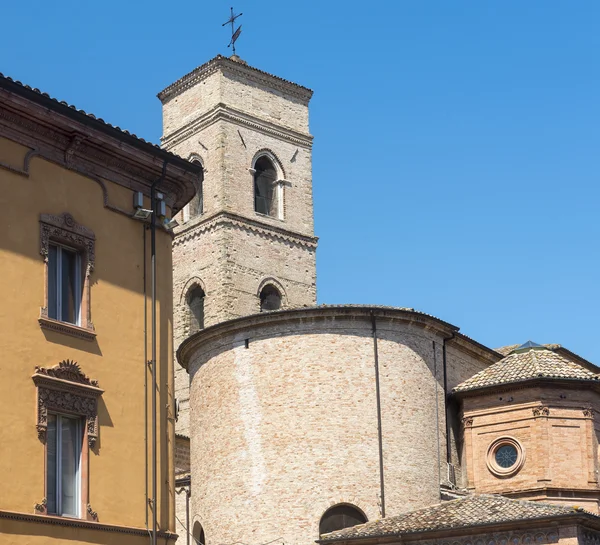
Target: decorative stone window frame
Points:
(65, 389)
(504, 472)
(271, 281)
(65, 230)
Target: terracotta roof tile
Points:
(521, 365)
(476, 510)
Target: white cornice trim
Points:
(221, 112)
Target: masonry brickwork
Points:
(225, 115)
(284, 418)
(557, 431)
(282, 413)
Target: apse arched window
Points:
(266, 189)
(270, 298)
(340, 517)
(198, 534)
(195, 307)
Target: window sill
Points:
(83, 524)
(275, 218)
(67, 328)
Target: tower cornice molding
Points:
(229, 66)
(222, 112)
(189, 232)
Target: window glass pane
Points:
(52, 272)
(51, 464)
(69, 296)
(69, 465)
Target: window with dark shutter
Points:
(340, 517)
(270, 298)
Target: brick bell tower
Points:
(246, 243)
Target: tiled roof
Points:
(506, 350)
(476, 510)
(204, 69)
(528, 364)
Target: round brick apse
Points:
(284, 418)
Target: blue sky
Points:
(456, 164)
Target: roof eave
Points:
(204, 70)
(124, 147)
(254, 321)
(524, 383)
(584, 518)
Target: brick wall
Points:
(556, 429)
(286, 428)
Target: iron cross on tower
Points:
(234, 35)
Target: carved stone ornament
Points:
(92, 515)
(41, 508)
(541, 411)
(65, 389)
(72, 148)
(467, 422)
(66, 230)
(588, 412)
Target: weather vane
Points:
(234, 35)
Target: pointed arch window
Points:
(270, 298)
(195, 207)
(195, 307)
(267, 190)
(198, 534)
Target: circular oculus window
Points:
(505, 457)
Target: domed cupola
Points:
(529, 429)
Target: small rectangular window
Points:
(63, 459)
(64, 284)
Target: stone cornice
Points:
(466, 344)
(82, 524)
(62, 135)
(229, 66)
(304, 315)
(188, 232)
(222, 112)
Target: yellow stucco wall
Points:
(116, 358)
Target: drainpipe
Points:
(448, 445)
(145, 375)
(379, 430)
(153, 281)
(437, 415)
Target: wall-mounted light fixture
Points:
(141, 213)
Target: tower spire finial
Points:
(234, 34)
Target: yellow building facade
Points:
(76, 375)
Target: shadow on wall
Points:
(104, 420)
(72, 343)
